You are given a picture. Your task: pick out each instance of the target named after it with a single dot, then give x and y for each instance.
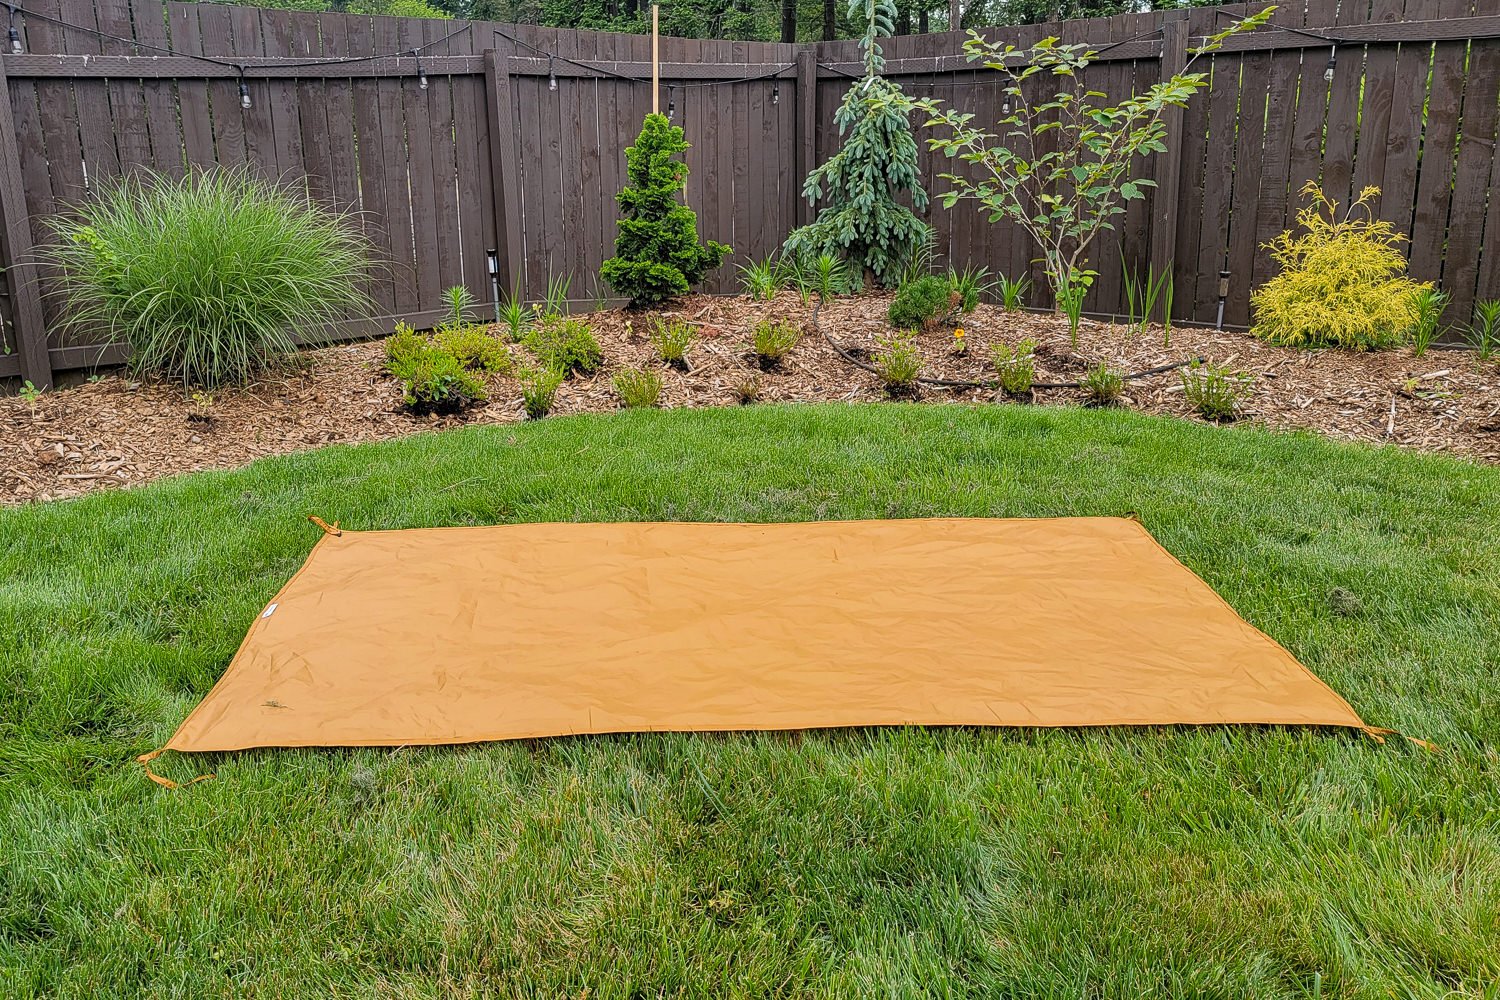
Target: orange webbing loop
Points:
(146, 759)
(1378, 734)
(332, 529)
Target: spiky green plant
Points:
(208, 278)
(759, 279)
(862, 220)
(638, 388)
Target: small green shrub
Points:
(672, 340)
(403, 346)
(476, 348)
(566, 344)
(208, 278)
(1215, 392)
(1428, 306)
(638, 387)
(971, 285)
(899, 364)
(1104, 385)
(657, 253)
(1484, 333)
(921, 303)
(539, 389)
(1343, 281)
(433, 380)
(773, 341)
(1012, 292)
(1015, 367)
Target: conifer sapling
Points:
(657, 252)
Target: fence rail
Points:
(513, 149)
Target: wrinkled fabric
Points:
(459, 635)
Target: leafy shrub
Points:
(1012, 292)
(1484, 333)
(433, 380)
(899, 364)
(921, 303)
(403, 346)
(1342, 283)
(539, 390)
(1104, 385)
(861, 220)
(638, 387)
(672, 340)
(970, 285)
(657, 253)
(1015, 367)
(1428, 306)
(774, 340)
(476, 348)
(565, 344)
(208, 277)
(1215, 392)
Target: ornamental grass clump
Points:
(772, 341)
(672, 340)
(1215, 392)
(1015, 367)
(657, 253)
(899, 364)
(209, 278)
(638, 388)
(1343, 280)
(1104, 385)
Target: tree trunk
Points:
(955, 15)
(903, 19)
(830, 20)
(788, 20)
(922, 20)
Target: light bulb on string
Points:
(671, 105)
(15, 36)
(551, 76)
(421, 73)
(244, 94)
(775, 94)
(1333, 58)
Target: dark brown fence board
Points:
(160, 96)
(15, 250)
(1435, 179)
(370, 162)
(1471, 179)
(192, 95)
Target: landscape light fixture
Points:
(1333, 58)
(15, 36)
(492, 264)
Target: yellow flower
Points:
(958, 333)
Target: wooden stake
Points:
(655, 59)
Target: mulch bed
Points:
(118, 431)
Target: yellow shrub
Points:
(1343, 281)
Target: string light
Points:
(671, 104)
(15, 36)
(551, 76)
(1333, 58)
(775, 94)
(244, 94)
(1005, 107)
(421, 73)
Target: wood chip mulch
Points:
(117, 431)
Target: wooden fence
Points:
(512, 150)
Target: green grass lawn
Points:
(1224, 862)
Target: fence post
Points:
(807, 122)
(15, 249)
(1174, 39)
(503, 171)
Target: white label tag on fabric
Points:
(267, 613)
